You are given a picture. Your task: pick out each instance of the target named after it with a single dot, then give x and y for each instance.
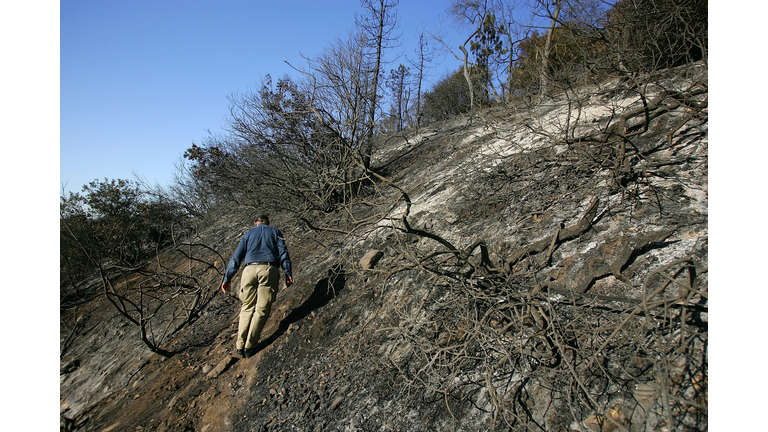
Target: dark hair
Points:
(263, 218)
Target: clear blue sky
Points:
(141, 80)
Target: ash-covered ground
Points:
(541, 269)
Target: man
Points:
(262, 249)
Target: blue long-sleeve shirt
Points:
(262, 243)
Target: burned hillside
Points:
(541, 265)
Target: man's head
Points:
(262, 218)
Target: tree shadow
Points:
(325, 290)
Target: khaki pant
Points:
(258, 289)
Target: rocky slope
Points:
(542, 267)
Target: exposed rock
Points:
(336, 402)
(370, 259)
(221, 367)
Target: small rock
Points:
(292, 328)
(369, 260)
(336, 402)
(206, 368)
(221, 367)
(450, 217)
(644, 393)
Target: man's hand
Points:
(225, 287)
(288, 281)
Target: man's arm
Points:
(233, 266)
(285, 259)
